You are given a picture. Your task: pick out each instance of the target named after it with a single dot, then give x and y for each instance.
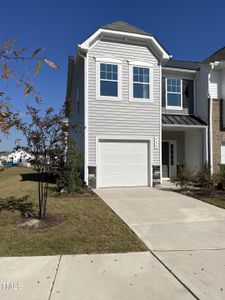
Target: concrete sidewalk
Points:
(186, 234)
(129, 276)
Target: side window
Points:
(173, 93)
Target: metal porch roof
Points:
(188, 120)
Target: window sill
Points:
(174, 108)
(108, 98)
(140, 100)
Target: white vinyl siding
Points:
(123, 117)
(215, 84)
(193, 150)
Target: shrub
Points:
(184, 178)
(206, 181)
(22, 205)
(221, 179)
(70, 173)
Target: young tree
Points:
(46, 139)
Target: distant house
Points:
(20, 157)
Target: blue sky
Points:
(190, 30)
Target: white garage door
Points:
(123, 163)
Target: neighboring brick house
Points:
(140, 115)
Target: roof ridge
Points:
(124, 26)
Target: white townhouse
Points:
(139, 114)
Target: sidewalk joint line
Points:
(56, 272)
(174, 275)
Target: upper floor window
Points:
(108, 80)
(173, 93)
(141, 81)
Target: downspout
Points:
(160, 122)
(195, 94)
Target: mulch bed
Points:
(196, 193)
(37, 224)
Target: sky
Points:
(189, 30)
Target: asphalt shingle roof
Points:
(173, 119)
(125, 27)
(217, 56)
(181, 64)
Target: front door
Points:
(169, 164)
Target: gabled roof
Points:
(184, 120)
(216, 56)
(125, 27)
(181, 64)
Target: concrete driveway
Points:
(186, 235)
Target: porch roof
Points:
(184, 120)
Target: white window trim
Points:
(140, 64)
(222, 159)
(181, 93)
(113, 61)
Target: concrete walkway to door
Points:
(185, 234)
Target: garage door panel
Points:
(123, 163)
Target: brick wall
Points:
(218, 135)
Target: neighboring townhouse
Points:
(216, 82)
(139, 115)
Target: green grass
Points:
(89, 225)
(11, 172)
(215, 201)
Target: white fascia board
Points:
(87, 44)
(180, 70)
(184, 126)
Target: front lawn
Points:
(89, 225)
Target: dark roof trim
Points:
(182, 64)
(183, 120)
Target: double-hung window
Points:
(108, 78)
(141, 84)
(141, 81)
(173, 93)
